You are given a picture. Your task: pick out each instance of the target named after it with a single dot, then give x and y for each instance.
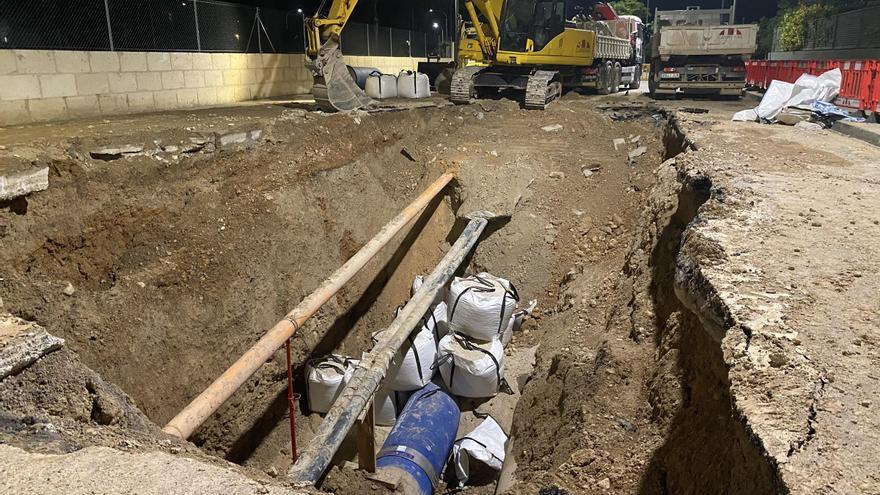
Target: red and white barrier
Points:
(860, 88)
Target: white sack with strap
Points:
(485, 444)
(480, 306)
(417, 284)
(325, 379)
(381, 86)
(411, 368)
(388, 404)
(413, 84)
(516, 322)
(471, 368)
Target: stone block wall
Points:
(51, 85)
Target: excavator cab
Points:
(528, 26)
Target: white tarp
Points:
(325, 379)
(480, 306)
(471, 368)
(485, 444)
(806, 90)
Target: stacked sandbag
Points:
(387, 404)
(381, 86)
(411, 367)
(325, 379)
(471, 368)
(417, 284)
(480, 307)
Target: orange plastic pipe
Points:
(193, 415)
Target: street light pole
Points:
(303, 15)
(445, 23)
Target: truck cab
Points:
(699, 51)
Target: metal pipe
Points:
(356, 395)
(193, 415)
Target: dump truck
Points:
(541, 47)
(700, 51)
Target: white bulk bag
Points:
(417, 284)
(480, 306)
(380, 86)
(471, 368)
(514, 325)
(413, 85)
(387, 404)
(325, 379)
(410, 369)
(485, 444)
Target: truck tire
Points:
(606, 79)
(616, 76)
(652, 82)
(637, 78)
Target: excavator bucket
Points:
(334, 89)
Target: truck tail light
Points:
(669, 70)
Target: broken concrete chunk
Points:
(557, 175)
(641, 150)
(236, 138)
(619, 143)
(22, 343)
(24, 182)
(552, 128)
(116, 152)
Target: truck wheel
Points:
(618, 75)
(637, 78)
(652, 83)
(606, 79)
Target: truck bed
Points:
(740, 39)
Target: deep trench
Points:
(707, 448)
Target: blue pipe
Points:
(420, 442)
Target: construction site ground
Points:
(707, 291)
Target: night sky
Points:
(403, 13)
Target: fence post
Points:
(198, 34)
(390, 42)
(109, 28)
(369, 26)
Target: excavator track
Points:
(462, 87)
(541, 89)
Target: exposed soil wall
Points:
(177, 268)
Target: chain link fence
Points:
(186, 25)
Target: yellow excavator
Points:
(525, 45)
(334, 89)
(540, 47)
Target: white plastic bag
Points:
(325, 379)
(471, 368)
(480, 306)
(485, 444)
(381, 86)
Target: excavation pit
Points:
(181, 255)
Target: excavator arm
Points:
(486, 27)
(334, 89)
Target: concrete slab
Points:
(867, 132)
(22, 343)
(16, 182)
